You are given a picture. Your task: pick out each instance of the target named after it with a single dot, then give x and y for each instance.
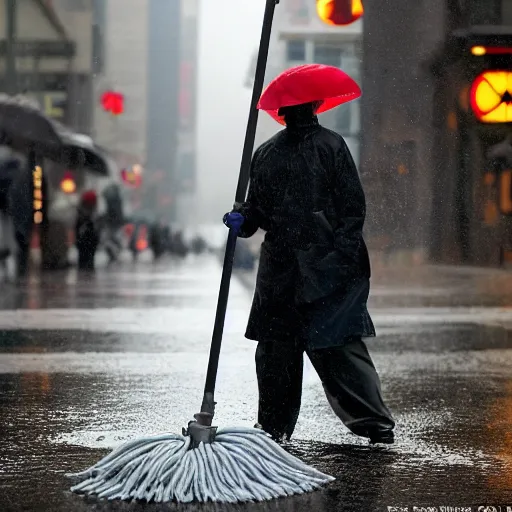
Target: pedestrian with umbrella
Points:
(314, 273)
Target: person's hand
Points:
(234, 220)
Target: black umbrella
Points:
(22, 124)
(79, 151)
(24, 127)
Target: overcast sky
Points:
(229, 35)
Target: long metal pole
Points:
(241, 191)
(10, 72)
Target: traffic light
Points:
(112, 102)
(339, 12)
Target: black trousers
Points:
(348, 375)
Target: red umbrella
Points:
(308, 83)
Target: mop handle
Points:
(243, 181)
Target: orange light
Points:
(142, 239)
(505, 199)
(132, 177)
(142, 244)
(491, 97)
(478, 50)
(38, 217)
(37, 177)
(339, 12)
(68, 186)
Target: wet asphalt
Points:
(87, 362)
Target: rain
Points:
(255, 255)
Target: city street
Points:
(90, 361)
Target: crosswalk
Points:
(139, 365)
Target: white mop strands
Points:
(241, 465)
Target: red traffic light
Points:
(112, 102)
(339, 12)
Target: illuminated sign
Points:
(491, 97)
(112, 102)
(132, 177)
(339, 12)
(37, 180)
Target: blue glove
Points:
(234, 220)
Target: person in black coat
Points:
(9, 169)
(86, 232)
(20, 210)
(313, 278)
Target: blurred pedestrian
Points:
(166, 237)
(313, 279)
(86, 232)
(8, 170)
(179, 248)
(156, 240)
(20, 210)
(112, 221)
(198, 245)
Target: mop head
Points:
(242, 464)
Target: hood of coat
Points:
(300, 117)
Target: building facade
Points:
(300, 37)
(46, 55)
(185, 183)
(52, 57)
(424, 163)
(149, 56)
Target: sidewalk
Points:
(401, 285)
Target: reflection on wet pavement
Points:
(78, 381)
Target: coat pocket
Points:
(322, 273)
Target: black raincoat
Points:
(314, 274)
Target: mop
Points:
(205, 463)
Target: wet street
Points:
(90, 361)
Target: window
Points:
(343, 119)
(327, 54)
(296, 51)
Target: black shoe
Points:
(382, 436)
(278, 438)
